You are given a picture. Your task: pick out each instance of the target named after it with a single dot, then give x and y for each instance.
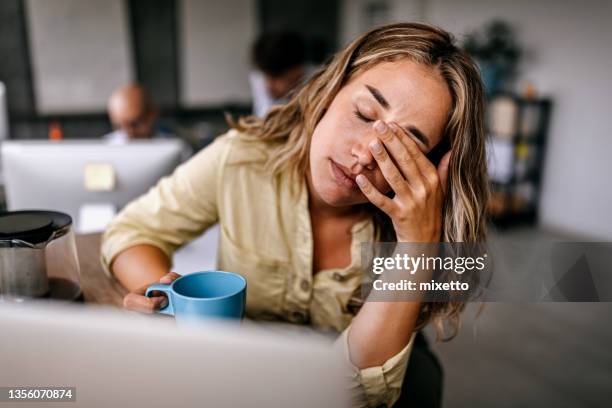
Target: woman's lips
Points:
(342, 177)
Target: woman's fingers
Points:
(169, 278)
(374, 196)
(400, 154)
(394, 177)
(137, 301)
(428, 172)
(421, 161)
(144, 304)
(166, 280)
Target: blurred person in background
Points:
(280, 63)
(133, 115)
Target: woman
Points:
(386, 143)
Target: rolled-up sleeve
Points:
(173, 212)
(378, 386)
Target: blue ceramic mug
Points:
(201, 295)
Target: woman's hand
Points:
(138, 302)
(416, 209)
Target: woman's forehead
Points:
(402, 77)
(411, 92)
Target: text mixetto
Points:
(408, 285)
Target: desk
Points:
(96, 285)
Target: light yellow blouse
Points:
(265, 236)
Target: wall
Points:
(320, 34)
(15, 66)
(153, 24)
(355, 19)
(215, 38)
(74, 66)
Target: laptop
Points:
(123, 359)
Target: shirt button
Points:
(337, 277)
(305, 285)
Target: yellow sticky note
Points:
(99, 177)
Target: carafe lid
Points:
(32, 226)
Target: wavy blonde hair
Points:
(289, 129)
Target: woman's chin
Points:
(336, 197)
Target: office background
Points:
(62, 58)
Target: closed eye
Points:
(362, 117)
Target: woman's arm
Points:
(140, 265)
(138, 244)
(382, 329)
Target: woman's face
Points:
(412, 95)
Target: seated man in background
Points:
(280, 62)
(133, 115)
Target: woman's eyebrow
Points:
(378, 96)
(385, 104)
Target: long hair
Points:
(289, 129)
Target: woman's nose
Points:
(362, 152)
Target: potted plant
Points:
(495, 49)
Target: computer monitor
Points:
(90, 180)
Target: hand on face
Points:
(419, 187)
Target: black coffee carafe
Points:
(38, 256)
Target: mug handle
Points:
(169, 310)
